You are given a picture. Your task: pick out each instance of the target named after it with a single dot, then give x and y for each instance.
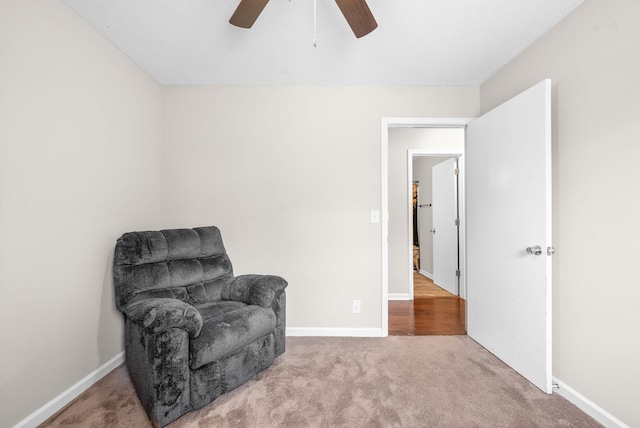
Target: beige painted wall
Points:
(593, 60)
(290, 175)
(79, 165)
(400, 141)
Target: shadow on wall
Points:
(110, 324)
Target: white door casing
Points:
(445, 230)
(414, 122)
(508, 208)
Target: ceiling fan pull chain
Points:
(315, 22)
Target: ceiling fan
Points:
(356, 12)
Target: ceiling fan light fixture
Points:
(356, 12)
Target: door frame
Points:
(459, 155)
(400, 122)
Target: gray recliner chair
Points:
(193, 331)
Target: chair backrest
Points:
(188, 264)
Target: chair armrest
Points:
(161, 314)
(254, 289)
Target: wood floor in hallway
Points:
(433, 311)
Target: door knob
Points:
(536, 250)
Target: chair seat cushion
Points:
(217, 308)
(226, 332)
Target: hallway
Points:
(433, 311)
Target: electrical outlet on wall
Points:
(357, 306)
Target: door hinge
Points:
(457, 222)
(458, 273)
(456, 171)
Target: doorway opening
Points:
(397, 231)
(435, 182)
(434, 307)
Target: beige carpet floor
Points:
(419, 381)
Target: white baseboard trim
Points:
(399, 296)
(587, 406)
(427, 274)
(334, 332)
(53, 406)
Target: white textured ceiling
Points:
(417, 42)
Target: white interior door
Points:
(508, 208)
(445, 230)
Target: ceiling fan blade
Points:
(247, 12)
(358, 16)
